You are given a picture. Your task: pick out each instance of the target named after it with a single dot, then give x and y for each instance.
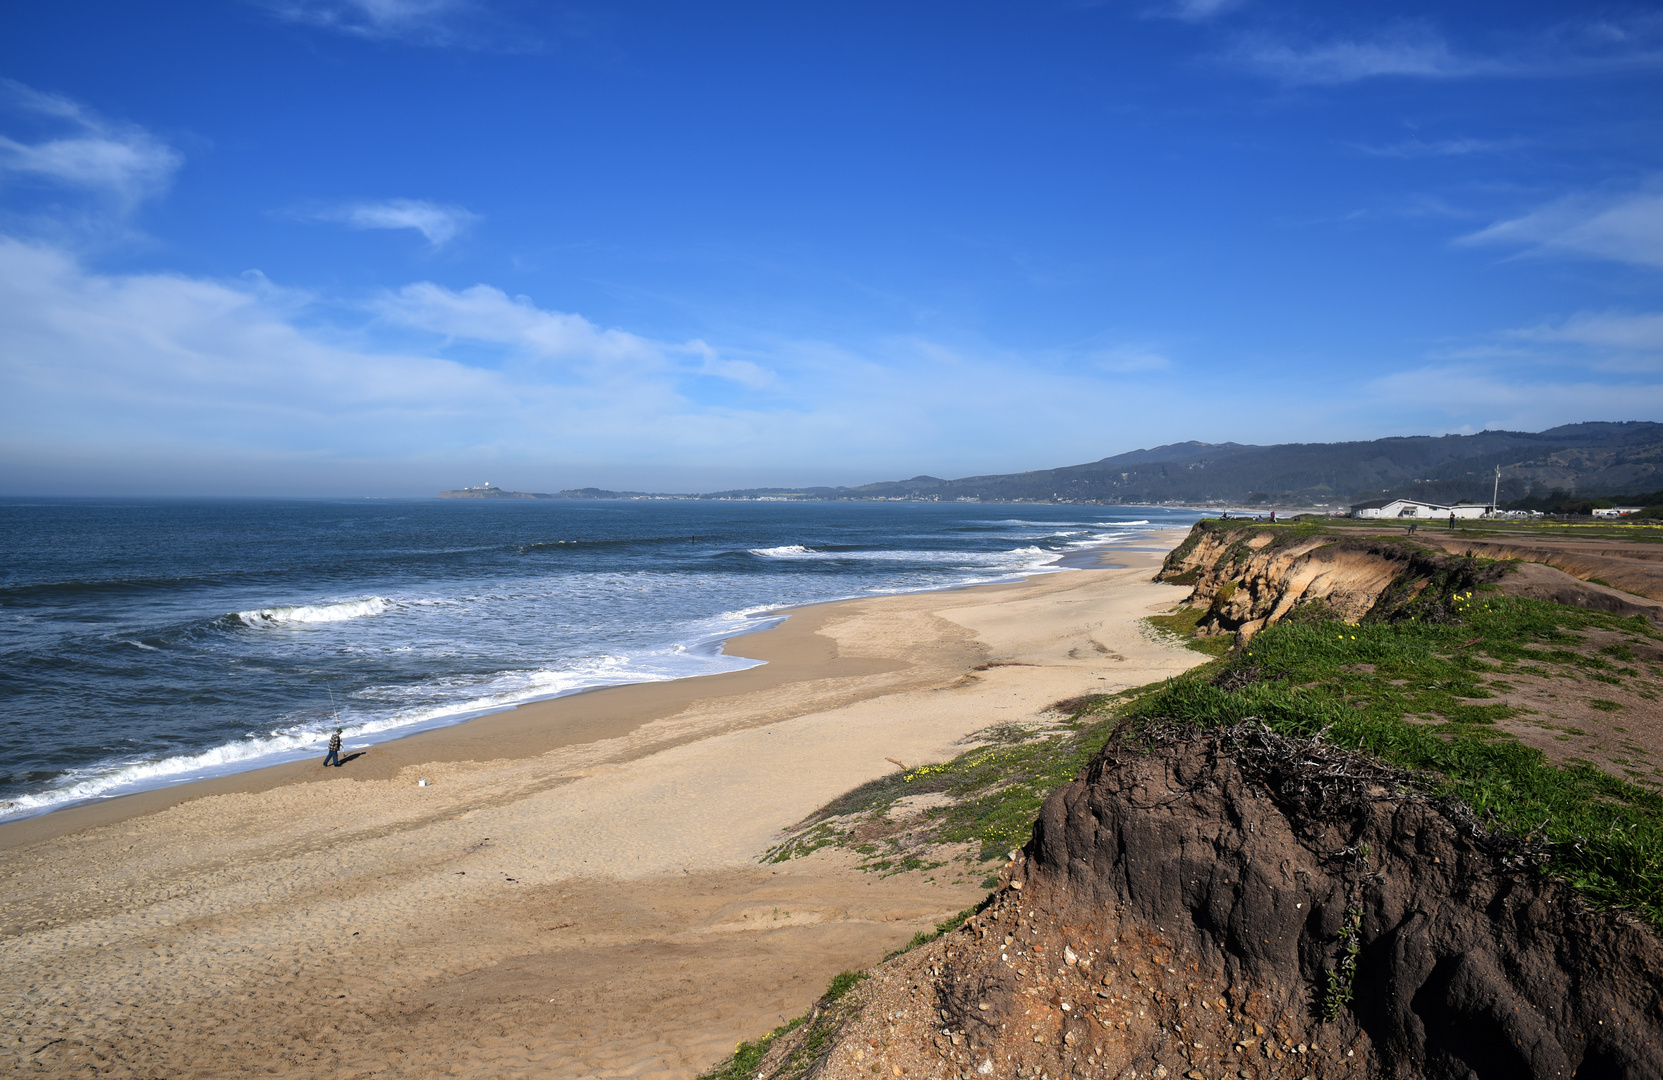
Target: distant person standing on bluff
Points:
(334, 755)
(1452, 521)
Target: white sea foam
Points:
(487, 621)
(505, 690)
(967, 559)
(313, 613)
(119, 778)
(744, 614)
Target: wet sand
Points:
(577, 893)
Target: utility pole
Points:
(1495, 492)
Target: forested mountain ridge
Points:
(1589, 458)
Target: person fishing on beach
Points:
(334, 754)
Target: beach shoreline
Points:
(602, 719)
(577, 891)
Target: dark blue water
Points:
(146, 642)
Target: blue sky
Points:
(392, 246)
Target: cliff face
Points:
(1239, 904)
(1249, 576)
(1272, 863)
(1229, 902)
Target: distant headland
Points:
(1575, 461)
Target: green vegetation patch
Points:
(822, 1021)
(1412, 693)
(1181, 625)
(1412, 690)
(994, 794)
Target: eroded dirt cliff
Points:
(1248, 576)
(1235, 903)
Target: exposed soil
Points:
(1631, 567)
(1538, 581)
(1235, 903)
(1612, 721)
(1248, 577)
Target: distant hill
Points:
(1591, 459)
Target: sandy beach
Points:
(577, 892)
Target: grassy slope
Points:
(1408, 692)
(1364, 686)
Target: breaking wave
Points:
(312, 613)
(1013, 558)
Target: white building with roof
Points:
(1416, 508)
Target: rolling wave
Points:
(1013, 558)
(503, 690)
(261, 618)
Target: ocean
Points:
(148, 642)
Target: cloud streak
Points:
(1420, 148)
(1616, 341)
(1622, 227)
(107, 370)
(438, 222)
(1461, 391)
(121, 162)
(429, 22)
(1413, 51)
(1419, 51)
(1198, 10)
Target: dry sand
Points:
(577, 893)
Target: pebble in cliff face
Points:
(1179, 914)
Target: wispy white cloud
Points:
(109, 369)
(1604, 340)
(432, 22)
(1621, 227)
(1416, 51)
(1507, 400)
(1419, 50)
(169, 382)
(1613, 329)
(485, 314)
(1419, 148)
(1128, 359)
(438, 222)
(1198, 10)
(122, 162)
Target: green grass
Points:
(924, 937)
(996, 791)
(1360, 686)
(1637, 530)
(1181, 625)
(822, 1020)
(748, 1055)
(1411, 693)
